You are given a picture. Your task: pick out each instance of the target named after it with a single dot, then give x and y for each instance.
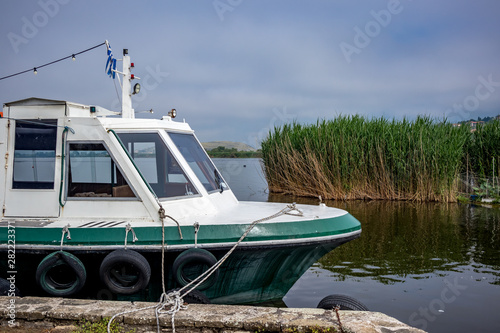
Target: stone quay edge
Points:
(60, 314)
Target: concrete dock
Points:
(59, 315)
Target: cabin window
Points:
(34, 154)
(157, 165)
(93, 173)
(199, 161)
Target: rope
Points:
(65, 231)
(175, 299)
(52, 62)
(128, 228)
(176, 304)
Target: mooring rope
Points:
(174, 299)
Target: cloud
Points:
(264, 55)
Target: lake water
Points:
(432, 266)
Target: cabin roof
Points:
(36, 101)
(25, 108)
(51, 108)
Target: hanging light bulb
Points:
(73, 57)
(34, 71)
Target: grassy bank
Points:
(352, 157)
(222, 152)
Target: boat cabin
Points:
(71, 161)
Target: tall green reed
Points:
(351, 157)
(483, 150)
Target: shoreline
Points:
(61, 314)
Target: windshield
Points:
(157, 164)
(199, 161)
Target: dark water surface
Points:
(433, 266)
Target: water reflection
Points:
(407, 258)
(402, 240)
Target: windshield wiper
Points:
(218, 181)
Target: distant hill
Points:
(240, 146)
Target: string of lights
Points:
(35, 69)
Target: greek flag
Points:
(111, 63)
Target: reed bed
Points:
(351, 157)
(482, 161)
(484, 150)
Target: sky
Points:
(235, 69)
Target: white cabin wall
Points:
(3, 151)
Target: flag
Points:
(110, 63)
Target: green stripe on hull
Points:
(211, 234)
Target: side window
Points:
(93, 173)
(35, 154)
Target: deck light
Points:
(172, 113)
(137, 88)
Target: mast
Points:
(127, 111)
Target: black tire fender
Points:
(191, 258)
(343, 301)
(125, 272)
(61, 274)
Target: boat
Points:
(101, 204)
